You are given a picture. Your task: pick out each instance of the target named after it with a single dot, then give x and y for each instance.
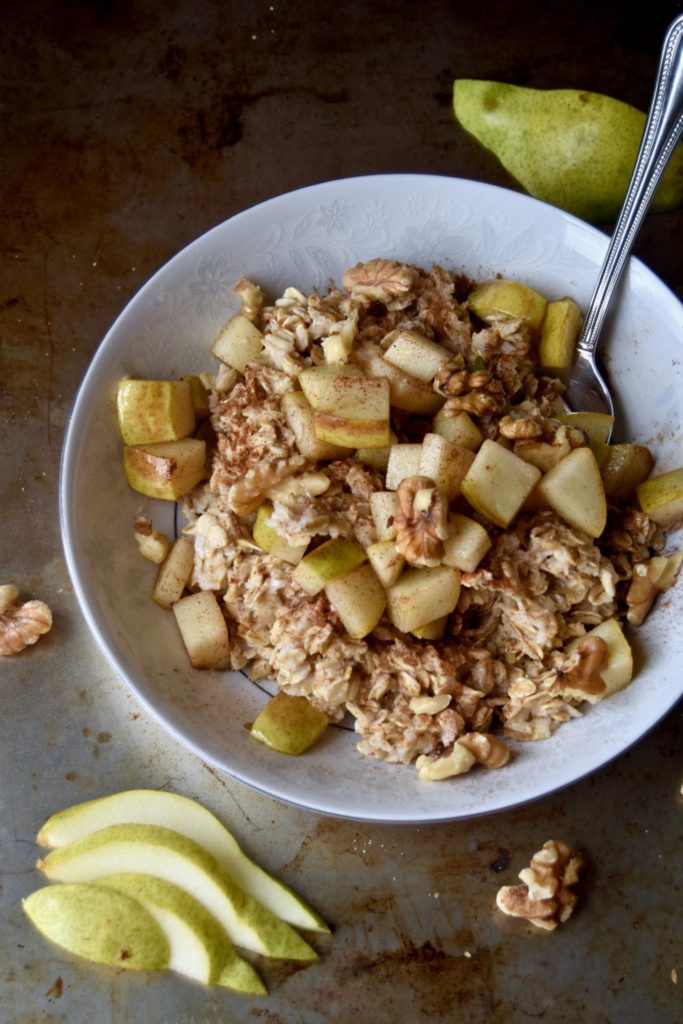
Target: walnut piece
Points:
(252, 298)
(649, 579)
(421, 521)
(475, 392)
(22, 625)
(246, 494)
(545, 899)
(382, 280)
(488, 750)
(584, 681)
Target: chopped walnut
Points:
(421, 521)
(487, 749)
(521, 428)
(246, 494)
(21, 625)
(584, 681)
(252, 298)
(649, 579)
(545, 899)
(152, 544)
(477, 393)
(382, 280)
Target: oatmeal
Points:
(377, 414)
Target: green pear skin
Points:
(99, 924)
(568, 147)
(199, 946)
(150, 849)
(289, 724)
(181, 814)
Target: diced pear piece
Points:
(406, 392)
(153, 545)
(421, 595)
(597, 426)
(498, 483)
(460, 429)
(445, 463)
(466, 544)
(417, 355)
(289, 724)
(541, 454)
(618, 672)
(661, 497)
(168, 470)
(174, 574)
(166, 854)
(200, 395)
(500, 298)
(377, 458)
(404, 461)
(299, 415)
(238, 343)
(191, 819)
(431, 630)
(386, 561)
(99, 924)
(350, 410)
(359, 600)
(331, 559)
(384, 508)
(573, 488)
(268, 539)
(559, 332)
(150, 411)
(623, 467)
(203, 629)
(319, 383)
(199, 947)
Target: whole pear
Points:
(571, 148)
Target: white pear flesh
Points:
(238, 343)
(661, 497)
(189, 818)
(498, 483)
(618, 672)
(152, 850)
(422, 595)
(359, 600)
(150, 411)
(574, 489)
(199, 947)
(99, 924)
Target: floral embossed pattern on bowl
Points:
(307, 239)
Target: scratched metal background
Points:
(127, 129)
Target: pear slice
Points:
(154, 410)
(203, 629)
(384, 508)
(662, 498)
(200, 396)
(431, 630)
(406, 392)
(99, 924)
(502, 298)
(158, 851)
(404, 461)
(466, 544)
(191, 819)
(597, 426)
(299, 415)
(445, 463)
(165, 470)
(572, 148)
(417, 355)
(560, 329)
(199, 947)
(574, 489)
(174, 574)
(333, 558)
(289, 724)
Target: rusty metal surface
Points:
(129, 128)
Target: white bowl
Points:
(307, 238)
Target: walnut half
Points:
(421, 521)
(21, 625)
(545, 899)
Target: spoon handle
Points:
(663, 129)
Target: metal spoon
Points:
(586, 389)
